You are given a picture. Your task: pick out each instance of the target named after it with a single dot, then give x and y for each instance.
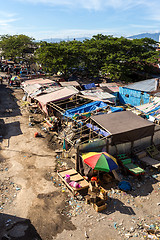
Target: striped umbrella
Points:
(15, 78)
(101, 161)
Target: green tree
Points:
(63, 56)
(95, 52)
(127, 57)
(120, 58)
(18, 47)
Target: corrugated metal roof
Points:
(113, 87)
(145, 86)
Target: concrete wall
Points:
(143, 143)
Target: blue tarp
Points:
(153, 110)
(85, 108)
(98, 130)
(89, 86)
(133, 97)
(125, 186)
(116, 109)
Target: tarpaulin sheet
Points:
(155, 109)
(89, 86)
(144, 106)
(116, 109)
(133, 97)
(98, 130)
(70, 83)
(55, 96)
(85, 108)
(124, 126)
(99, 95)
(38, 81)
(30, 88)
(60, 94)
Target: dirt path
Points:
(35, 205)
(28, 164)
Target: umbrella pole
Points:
(98, 174)
(116, 175)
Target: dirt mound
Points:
(47, 222)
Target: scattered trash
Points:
(115, 225)
(154, 176)
(8, 192)
(37, 134)
(86, 235)
(30, 124)
(128, 235)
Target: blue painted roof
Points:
(145, 86)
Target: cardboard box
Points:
(100, 206)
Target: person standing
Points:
(1, 79)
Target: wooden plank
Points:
(65, 170)
(69, 172)
(76, 178)
(84, 184)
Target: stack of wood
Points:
(97, 196)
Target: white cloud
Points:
(6, 22)
(5, 14)
(93, 4)
(143, 26)
(71, 33)
(154, 14)
(149, 8)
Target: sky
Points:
(45, 19)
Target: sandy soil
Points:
(34, 204)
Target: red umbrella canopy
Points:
(100, 161)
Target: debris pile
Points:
(8, 192)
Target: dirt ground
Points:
(34, 204)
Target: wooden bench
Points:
(142, 156)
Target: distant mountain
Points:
(154, 36)
(54, 40)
